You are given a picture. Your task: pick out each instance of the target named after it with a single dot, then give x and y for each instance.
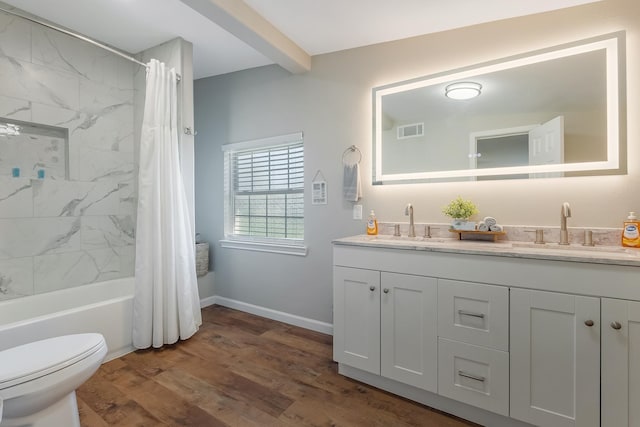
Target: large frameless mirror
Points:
(550, 113)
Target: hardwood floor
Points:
(242, 370)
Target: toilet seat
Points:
(37, 359)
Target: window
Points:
(264, 195)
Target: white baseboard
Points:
(206, 302)
(118, 353)
(280, 316)
(291, 319)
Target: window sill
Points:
(277, 248)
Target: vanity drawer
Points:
(475, 375)
(474, 313)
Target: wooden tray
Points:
(493, 234)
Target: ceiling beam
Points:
(242, 21)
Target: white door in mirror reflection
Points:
(498, 148)
(519, 146)
(546, 146)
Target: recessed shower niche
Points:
(33, 150)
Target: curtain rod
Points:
(78, 36)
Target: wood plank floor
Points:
(242, 370)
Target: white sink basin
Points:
(575, 252)
(594, 250)
(405, 239)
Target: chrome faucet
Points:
(565, 212)
(408, 210)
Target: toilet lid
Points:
(34, 360)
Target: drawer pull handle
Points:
(589, 322)
(385, 290)
(471, 376)
(616, 325)
(372, 288)
(469, 313)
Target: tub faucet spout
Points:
(408, 210)
(565, 212)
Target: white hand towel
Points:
(482, 226)
(489, 220)
(496, 228)
(352, 185)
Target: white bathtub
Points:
(105, 307)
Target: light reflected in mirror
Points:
(548, 113)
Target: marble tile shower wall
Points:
(57, 233)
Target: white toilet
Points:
(38, 380)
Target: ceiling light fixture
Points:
(462, 90)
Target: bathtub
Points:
(105, 307)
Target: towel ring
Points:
(350, 150)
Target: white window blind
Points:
(265, 190)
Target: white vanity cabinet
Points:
(555, 358)
(356, 308)
(518, 339)
(387, 325)
(620, 363)
(408, 330)
(473, 344)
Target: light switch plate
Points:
(357, 211)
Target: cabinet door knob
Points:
(372, 288)
(616, 325)
(588, 322)
(385, 290)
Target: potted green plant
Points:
(460, 211)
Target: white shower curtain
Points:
(166, 304)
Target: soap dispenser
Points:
(630, 233)
(372, 224)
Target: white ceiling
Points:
(317, 26)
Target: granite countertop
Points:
(613, 255)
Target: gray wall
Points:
(331, 104)
(269, 101)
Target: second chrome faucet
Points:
(408, 210)
(565, 212)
